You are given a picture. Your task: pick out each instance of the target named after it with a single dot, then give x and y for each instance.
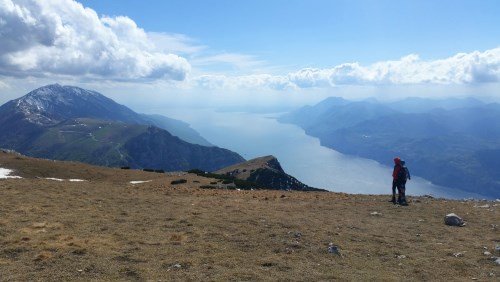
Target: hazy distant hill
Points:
(70, 123)
(177, 128)
(422, 105)
(458, 147)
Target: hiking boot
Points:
(393, 200)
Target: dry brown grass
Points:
(109, 229)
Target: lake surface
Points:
(302, 156)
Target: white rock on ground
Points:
(453, 220)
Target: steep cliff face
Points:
(265, 171)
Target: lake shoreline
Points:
(302, 156)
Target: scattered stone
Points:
(297, 235)
(428, 196)
(458, 255)
(482, 206)
(453, 220)
(177, 265)
(333, 249)
(497, 249)
(178, 181)
(401, 257)
(497, 261)
(375, 213)
(487, 253)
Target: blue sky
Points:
(240, 52)
(321, 33)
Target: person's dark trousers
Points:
(402, 193)
(394, 185)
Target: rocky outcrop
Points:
(267, 172)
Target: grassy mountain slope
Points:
(120, 144)
(106, 228)
(70, 123)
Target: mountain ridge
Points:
(452, 147)
(62, 122)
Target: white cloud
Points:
(246, 81)
(40, 37)
(463, 68)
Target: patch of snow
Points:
(55, 179)
(139, 181)
(76, 180)
(4, 173)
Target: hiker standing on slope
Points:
(403, 176)
(398, 181)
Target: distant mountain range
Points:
(452, 142)
(71, 123)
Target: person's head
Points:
(397, 160)
(402, 162)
